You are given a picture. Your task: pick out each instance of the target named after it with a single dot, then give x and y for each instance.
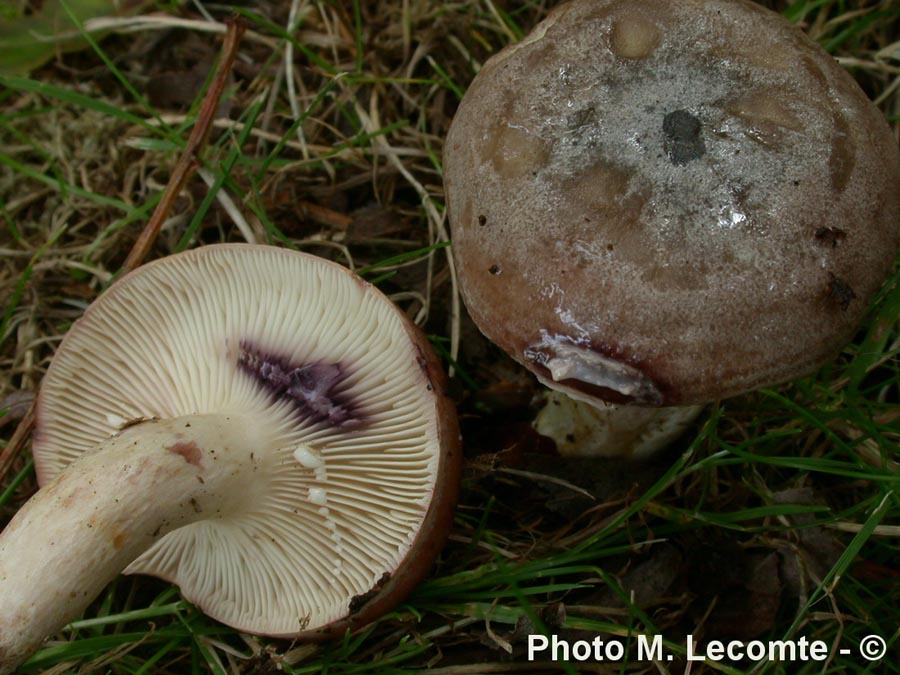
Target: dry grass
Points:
(374, 86)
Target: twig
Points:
(189, 161)
(187, 164)
(324, 215)
(20, 435)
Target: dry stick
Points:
(20, 435)
(189, 160)
(325, 216)
(187, 164)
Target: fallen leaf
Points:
(27, 42)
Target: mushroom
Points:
(257, 425)
(664, 204)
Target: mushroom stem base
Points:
(105, 509)
(582, 429)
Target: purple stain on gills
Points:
(310, 387)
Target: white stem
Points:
(583, 428)
(105, 509)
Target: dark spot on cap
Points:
(494, 269)
(683, 140)
(830, 235)
(482, 220)
(840, 292)
(581, 118)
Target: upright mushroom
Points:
(664, 203)
(257, 425)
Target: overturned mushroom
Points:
(665, 203)
(259, 426)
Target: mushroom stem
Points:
(106, 508)
(586, 428)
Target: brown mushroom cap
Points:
(666, 203)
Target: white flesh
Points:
(106, 508)
(582, 429)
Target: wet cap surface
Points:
(668, 203)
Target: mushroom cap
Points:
(665, 203)
(358, 481)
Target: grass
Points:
(778, 515)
